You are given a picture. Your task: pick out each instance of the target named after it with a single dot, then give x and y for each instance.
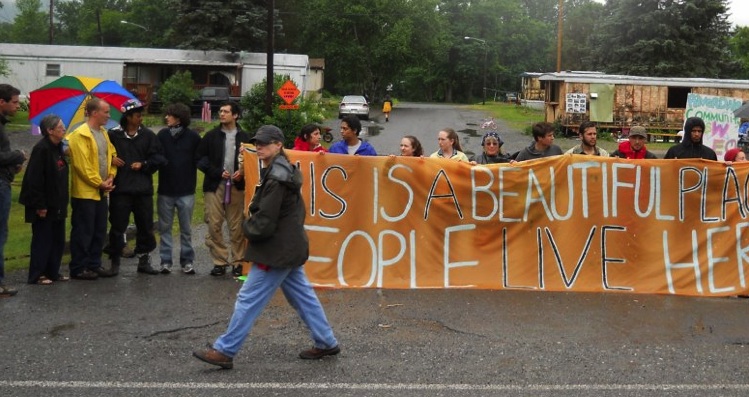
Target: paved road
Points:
(424, 121)
(133, 335)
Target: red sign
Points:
(288, 107)
(288, 92)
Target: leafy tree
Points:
(740, 49)
(26, 26)
(231, 25)
(178, 89)
(687, 38)
(290, 121)
(580, 23)
(159, 17)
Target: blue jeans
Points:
(165, 206)
(4, 215)
(255, 295)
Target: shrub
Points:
(289, 121)
(178, 89)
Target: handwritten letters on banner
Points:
(566, 223)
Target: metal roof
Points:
(600, 78)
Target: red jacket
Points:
(300, 144)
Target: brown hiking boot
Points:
(316, 353)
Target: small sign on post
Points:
(288, 92)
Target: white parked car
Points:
(355, 105)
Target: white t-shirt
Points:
(353, 149)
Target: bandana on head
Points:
(492, 134)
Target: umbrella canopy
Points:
(67, 97)
(743, 111)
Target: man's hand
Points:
(107, 185)
(237, 176)
(117, 162)
(42, 213)
(136, 166)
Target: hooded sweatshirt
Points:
(531, 153)
(688, 149)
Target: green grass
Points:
(518, 117)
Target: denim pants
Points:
(4, 215)
(165, 206)
(255, 295)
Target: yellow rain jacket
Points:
(84, 159)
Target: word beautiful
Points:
(558, 224)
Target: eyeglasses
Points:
(491, 143)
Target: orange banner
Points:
(567, 223)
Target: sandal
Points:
(60, 277)
(44, 281)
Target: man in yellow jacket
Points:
(91, 155)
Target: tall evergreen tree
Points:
(231, 25)
(687, 38)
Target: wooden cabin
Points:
(617, 102)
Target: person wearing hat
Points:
(634, 146)
(139, 156)
(588, 140)
(278, 247)
(223, 189)
(492, 153)
(734, 155)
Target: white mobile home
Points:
(142, 70)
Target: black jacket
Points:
(143, 148)
(178, 176)
(211, 157)
(275, 230)
(484, 158)
(45, 183)
(688, 149)
(10, 160)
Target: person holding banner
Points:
(634, 147)
(492, 153)
(449, 146)
(309, 139)
(411, 147)
(734, 155)
(588, 139)
(278, 247)
(543, 143)
(351, 143)
(691, 146)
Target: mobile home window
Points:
(53, 69)
(677, 97)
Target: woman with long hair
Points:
(449, 146)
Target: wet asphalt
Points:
(132, 335)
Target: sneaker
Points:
(6, 291)
(316, 354)
(236, 271)
(218, 270)
(166, 268)
(188, 269)
(85, 275)
(102, 272)
(144, 265)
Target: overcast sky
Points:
(739, 10)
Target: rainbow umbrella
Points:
(67, 97)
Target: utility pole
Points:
(560, 21)
(269, 62)
(98, 26)
(51, 22)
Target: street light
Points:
(134, 24)
(486, 52)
